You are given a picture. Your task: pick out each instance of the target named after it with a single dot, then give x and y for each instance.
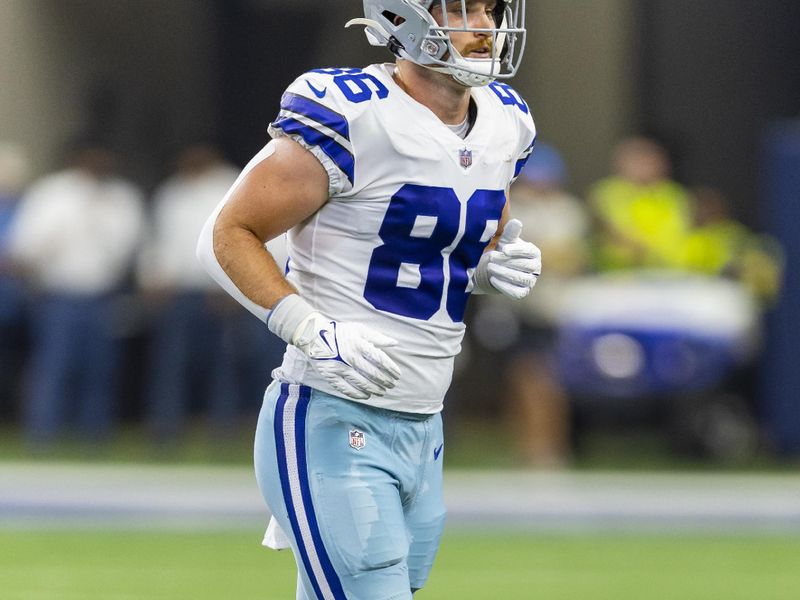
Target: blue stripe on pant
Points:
(364, 520)
(290, 422)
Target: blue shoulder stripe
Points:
(520, 165)
(339, 154)
(316, 111)
(524, 160)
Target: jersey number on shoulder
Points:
(356, 85)
(407, 274)
(508, 96)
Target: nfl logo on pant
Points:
(357, 440)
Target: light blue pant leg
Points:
(302, 585)
(425, 515)
(282, 474)
(345, 508)
(359, 496)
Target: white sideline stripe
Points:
(289, 415)
(36, 494)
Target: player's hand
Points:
(349, 356)
(514, 266)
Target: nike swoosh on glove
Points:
(511, 269)
(349, 356)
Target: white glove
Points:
(348, 356)
(512, 268)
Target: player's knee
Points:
(386, 562)
(377, 555)
(382, 580)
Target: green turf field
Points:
(79, 565)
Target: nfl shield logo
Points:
(465, 158)
(357, 440)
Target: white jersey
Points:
(412, 207)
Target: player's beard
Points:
(487, 44)
(471, 48)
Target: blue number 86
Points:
(407, 274)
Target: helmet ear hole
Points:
(393, 18)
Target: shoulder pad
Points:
(512, 101)
(318, 111)
(509, 97)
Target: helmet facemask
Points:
(408, 29)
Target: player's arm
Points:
(281, 191)
(504, 218)
(282, 187)
(509, 265)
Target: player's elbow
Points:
(206, 250)
(227, 242)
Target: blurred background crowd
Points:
(107, 315)
(663, 192)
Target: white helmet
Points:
(408, 29)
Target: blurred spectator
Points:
(642, 215)
(13, 175)
(198, 349)
(556, 218)
(558, 223)
(720, 245)
(660, 339)
(74, 238)
(189, 355)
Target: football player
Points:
(391, 182)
